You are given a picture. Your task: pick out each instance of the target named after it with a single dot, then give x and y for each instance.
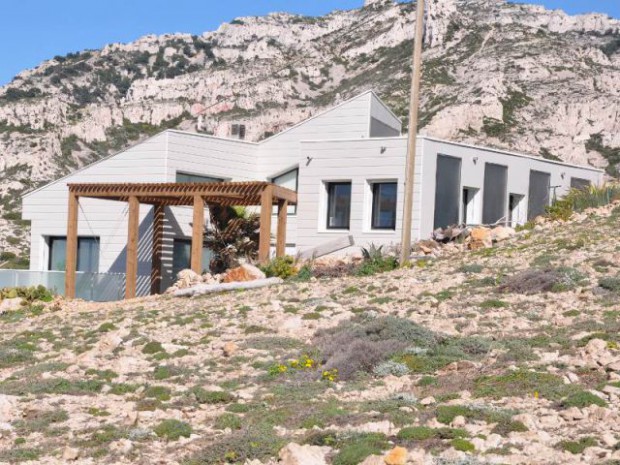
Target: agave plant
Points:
(232, 235)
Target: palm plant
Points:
(232, 235)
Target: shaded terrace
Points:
(160, 195)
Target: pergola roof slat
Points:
(223, 193)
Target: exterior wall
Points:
(472, 174)
(47, 208)
(228, 159)
(360, 162)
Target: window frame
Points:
(374, 185)
(292, 208)
(50, 243)
(328, 187)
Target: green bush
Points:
(152, 347)
(29, 294)
(416, 433)
(376, 261)
(462, 445)
(358, 447)
(280, 267)
(610, 283)
(523, 383)
(172, 430)
(577, 447)
(583, 399)
(228, 420)
(211, 397)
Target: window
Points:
(338, 205)
(182, 256)
(188, 177)
(579, 184)
(384, 196)
(87, 257)
(238, 131)
(288, 180)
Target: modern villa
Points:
(346, 164)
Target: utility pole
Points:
(414, 110)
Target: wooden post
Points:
(158, 245)
(414, 110)
(198, 231)
(281, 235)
(266, 209)
(131, 270)
(72, 246)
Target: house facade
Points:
(347, 165)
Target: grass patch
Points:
(522, 383)
(172, 430)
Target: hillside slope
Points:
(495, 73)
(503, 355)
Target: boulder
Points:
(294, 454)
(397, 456)
(243, 273)
(230, 349)
(373, 460)
(480, 238)
(10, 305)
(70, 454)
(8, 408)
(187, 278)
(501, 233)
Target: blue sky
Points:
(34, 30)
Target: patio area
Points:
(197, 195)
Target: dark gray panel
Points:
(495, 192)
(380, 129)
(580, 184)
(540, 186)
(447, 191)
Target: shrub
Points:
(172, 430)
(228, 420)
(577, 447)
(29, 294)
(359, 345)
(610, 283)
(160, 393)
(212, 397)
(416, 433)
(521, 383)
(462, 445)
(503, 428)
(280, 267)
(152, 347)
(376, 261)
(358, 447)
(391, 368)
(583, 399)
(534, 281)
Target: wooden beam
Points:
(72, 246)
(158, 246)
(266, 209)
(285, 194)
(281, 235)
(131, 270)
(198, 230)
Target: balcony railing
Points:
(96, 287)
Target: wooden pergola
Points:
(160, 195)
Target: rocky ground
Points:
(501, 355)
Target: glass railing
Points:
(96, 287)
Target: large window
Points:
(288, 180)
(338, 205)
(87, 257)
(188, 177)
(182, 256)
(384, 196)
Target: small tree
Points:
(232, 235)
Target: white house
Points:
(347, 165)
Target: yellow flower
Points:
(294, 363)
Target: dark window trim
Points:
(51, 239)
(329, 203)
(273, 181)
(392, 227)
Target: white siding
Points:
(360, 162)
(347, 121)
(47, 207)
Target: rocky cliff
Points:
(495, 73)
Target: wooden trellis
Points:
(160, 195)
